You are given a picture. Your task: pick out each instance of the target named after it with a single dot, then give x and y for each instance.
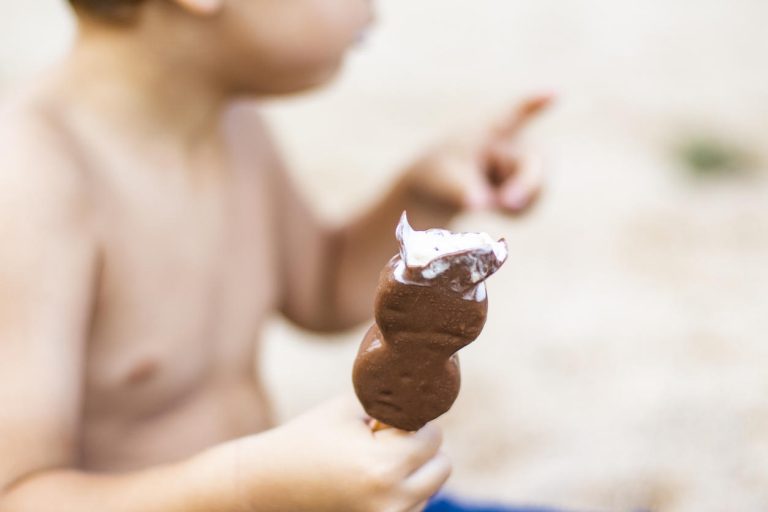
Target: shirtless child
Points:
(148, 228)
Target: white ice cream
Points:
(423, 250)
(422, 247)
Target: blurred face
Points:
(282, 46)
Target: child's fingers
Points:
(520, 191)
(429, 478)
(427, 443)
(526, 111)
(416, 448)
(420, 507)
(454, 181)
(478, 192)
(503, 164)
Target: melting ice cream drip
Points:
(467, 259)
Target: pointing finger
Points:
(524, 113)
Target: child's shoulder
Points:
(38, 163)
(31, 127)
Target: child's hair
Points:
(112, 10)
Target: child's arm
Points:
(47, 267)
(324, 461)
(179, 488)
(330, 274)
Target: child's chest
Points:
(187, 279)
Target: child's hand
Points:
(487, 173)
(329, 460)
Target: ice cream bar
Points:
(431, 301)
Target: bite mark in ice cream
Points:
(469, 258)
(431, 301)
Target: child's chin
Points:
(302, 84)
(327, 76)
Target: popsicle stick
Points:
(377, 426)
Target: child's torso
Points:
(186, 281)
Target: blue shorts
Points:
(445, 504)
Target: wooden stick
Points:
(377, 426)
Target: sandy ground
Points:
(624, 362)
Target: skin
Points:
(149, 227)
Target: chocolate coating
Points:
(407, 371)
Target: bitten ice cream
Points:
(431, 301)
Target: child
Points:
(148, 228)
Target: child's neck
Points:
(137, 87)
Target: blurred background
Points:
(624, 362)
